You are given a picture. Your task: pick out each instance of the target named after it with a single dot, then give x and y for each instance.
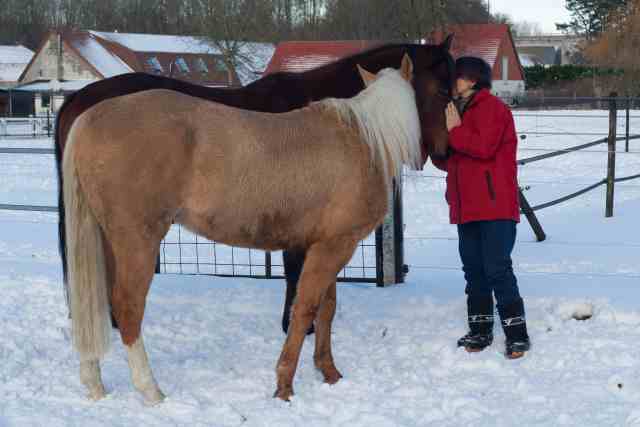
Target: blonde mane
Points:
(387, 117)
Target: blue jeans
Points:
(485, 249)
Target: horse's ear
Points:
(367, 77)
(406, 68)
(446, 44)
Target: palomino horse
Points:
(282, 92)
(316, 178)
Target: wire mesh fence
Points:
(183, 252)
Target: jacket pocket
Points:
(490, 188)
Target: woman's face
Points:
(464, 87)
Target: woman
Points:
(482, 192)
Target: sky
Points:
(545, 12)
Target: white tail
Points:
(90, 312)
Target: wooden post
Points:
(627, 126)
(611, 156)
(531, 217)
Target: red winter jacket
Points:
(482, 179)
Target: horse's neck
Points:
(342, 80)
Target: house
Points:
(13, 61)
(67, 61)
(493, 43)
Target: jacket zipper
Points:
(492, 191)
(458, 220)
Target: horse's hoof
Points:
(153, 397)
(284, 393)
(332, 377)
(96, 393)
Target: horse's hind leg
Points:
(90, 377)
(135, 258)
(293, 260)
(323, 357)
(323, 262)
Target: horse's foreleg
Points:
(322, 264)
(323, 357)
(135, 260)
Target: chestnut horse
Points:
(316, 178)
(282, 92)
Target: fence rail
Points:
(609, 180)
(26, 127)
(262, 265)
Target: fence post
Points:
(398, 222)
(531, 217)
(611, 155)
(391, 238)
(267, 264)
(627, 125)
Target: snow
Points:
(13, 61)
(107, 63)
(139, 42)
(214, 342)
(66, 86)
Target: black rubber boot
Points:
(480, 317)
(515, 329)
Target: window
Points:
(45, 101)
(182, 65)
(155, 65)
(220, 65)
(202, 66)
(505, 68)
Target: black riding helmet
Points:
(475, 69)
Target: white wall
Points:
(508, 88)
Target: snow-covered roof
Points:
(44, 86)
(104, 61)
(13, 61)
(158, 43)
(253, 60)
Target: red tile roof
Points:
(302, 56)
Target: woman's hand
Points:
(453, 117)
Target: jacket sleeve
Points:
(481, 141)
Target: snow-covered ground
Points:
(214, 342)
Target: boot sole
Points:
(515, 355)
(473, 350)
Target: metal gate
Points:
(183, 252)
(378, 258)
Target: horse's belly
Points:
(258, 230)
